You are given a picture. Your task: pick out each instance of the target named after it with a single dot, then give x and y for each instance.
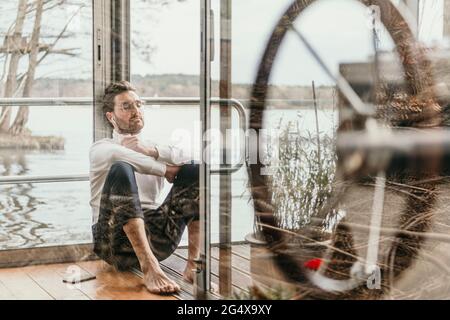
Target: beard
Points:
(135, 125)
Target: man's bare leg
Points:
(193, 252)
(155, 280)
(193, 249)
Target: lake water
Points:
(34, 215)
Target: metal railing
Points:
(49, 102)
(43, 179)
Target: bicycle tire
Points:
(419, 80)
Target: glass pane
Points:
(431, 22)
(46, 54)
(249, 34)
(165, 63)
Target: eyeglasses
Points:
(127, 106)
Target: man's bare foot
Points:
(157, 282)
(188, 273)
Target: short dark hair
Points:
(113, 90)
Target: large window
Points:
(46, 53)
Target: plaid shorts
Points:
(164, 225)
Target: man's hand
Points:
(171, 173)
(133, 143)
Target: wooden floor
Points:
(240, 260)
(46, 282)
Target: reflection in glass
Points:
(46, 52)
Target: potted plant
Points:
(301, 183)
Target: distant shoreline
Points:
(175, 85)
(31, 142)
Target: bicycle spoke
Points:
(375, 222)
(376, 69)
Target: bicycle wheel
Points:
(415, 107)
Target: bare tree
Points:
(16, 47)
(13, 45)
(22, 115)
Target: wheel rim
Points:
(419, 80)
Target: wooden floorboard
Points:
(243, 250)
(238, 263)
(51, 278)
(5, 294)
(240, 280)
(176, 263)
(21, 286)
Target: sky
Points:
(337, 29)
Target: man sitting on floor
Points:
(130, 229)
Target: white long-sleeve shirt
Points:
(149, 171)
